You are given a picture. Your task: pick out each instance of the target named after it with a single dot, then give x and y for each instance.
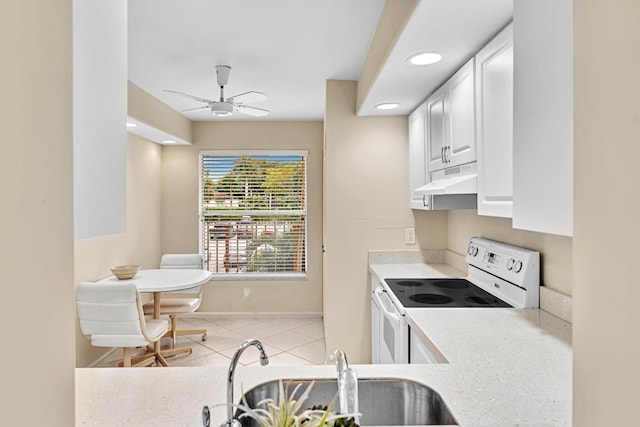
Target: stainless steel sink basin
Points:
(389, 401)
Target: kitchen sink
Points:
(388, 401)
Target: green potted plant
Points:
(286, 411)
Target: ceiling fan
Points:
(227, 106)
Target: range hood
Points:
(450, 188)
(461, 179)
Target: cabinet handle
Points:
(446, 159)
(442, 155)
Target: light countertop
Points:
(505, 367)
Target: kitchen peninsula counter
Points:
(505, 367)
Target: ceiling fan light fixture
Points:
(221, 109)
(424, 58)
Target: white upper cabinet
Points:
(436, 132)
(462, 117)
(417, 154)
(543, 116)
(494, 125)
(451, 121)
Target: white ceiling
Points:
(289, 48)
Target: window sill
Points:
(258, 276)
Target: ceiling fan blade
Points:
(197, 98)
(248, 97)
(204, 107)
(252, 111)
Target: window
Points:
(253, 212)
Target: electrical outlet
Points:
(410, 236)
(246, 293)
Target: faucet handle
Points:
(340, 359)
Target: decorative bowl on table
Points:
(124, 272)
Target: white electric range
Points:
(500, 275)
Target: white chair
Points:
(111, 315)
(188, 301)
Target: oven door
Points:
(391, 334)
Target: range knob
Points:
(473, 250)
(517, 267)
(510, 264)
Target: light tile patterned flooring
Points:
(287, 341)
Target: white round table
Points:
(164, 280)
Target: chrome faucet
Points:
(231, 422)
(347, 385)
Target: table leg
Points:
(156, 315)
(157, 346)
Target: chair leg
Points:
(175, 332)
(126, 357)
(174, 328)
(129, 360)
(176, 350)
(161, 359)
(145, 361)
(182, 332)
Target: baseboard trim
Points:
(263, 314)
(103, 357)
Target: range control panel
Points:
(517, 265)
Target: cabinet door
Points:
(461, 116)
(436, 130)
(418, 350)
(417, 154)
(494, 112)
(543, 117)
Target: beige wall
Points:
(366, 207)
(139, 244)
(606, 333)
(556, 250)
(36, 229)
(151, 111)
(180, 216)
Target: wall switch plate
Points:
(246, 293)
(410, 236)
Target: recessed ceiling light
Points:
(168, 141)
(425, 58)
(131, 125)
(387, 106)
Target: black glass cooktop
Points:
(442, 293)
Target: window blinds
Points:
(253, 212)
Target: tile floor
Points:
(287, 341)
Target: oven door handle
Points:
(386, 306)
